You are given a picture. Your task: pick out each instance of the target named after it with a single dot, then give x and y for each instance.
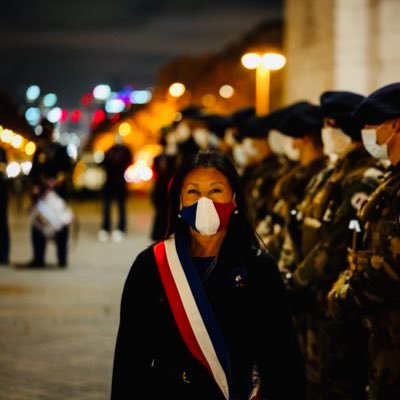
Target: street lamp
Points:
(177, 89)
(263, 64)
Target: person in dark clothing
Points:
(51, 170)
(4, 230)
(164, 167)
(116, 160)
(204, 313)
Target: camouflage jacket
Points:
(288, 191)
(327, 218)
(375, 264)
(258, 182)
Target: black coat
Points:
(151, 357)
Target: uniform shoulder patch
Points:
(373, 173)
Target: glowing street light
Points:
(176, 89)
(263, 64)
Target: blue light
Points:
(141, 96)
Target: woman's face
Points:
(206, 182)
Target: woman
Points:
(204, 313)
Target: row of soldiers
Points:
(322, 185)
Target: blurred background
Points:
(127, 68)
(100, 68)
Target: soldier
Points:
(164, 167)
(184, 131)
(234, 149)
(214, 130)
(372, 281)
(262, 168)
(335, 354)
(302, 123)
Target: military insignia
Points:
(358, 200)
(239, 278)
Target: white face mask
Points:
(249, 147)
(282, 144)
(182, 132)
(335, 141)
(379, 151)
(214, 140)
(229, 137)
(239, 156)
(201, 137)
(206, 216)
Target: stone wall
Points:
(340, 45)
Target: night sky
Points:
(69, 46)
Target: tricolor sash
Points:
(191, 309)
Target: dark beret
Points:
(254, 127)
(216, 124)
(380, 106)
(191, 112)
(301, 119)
(340, 106)
(240, 116)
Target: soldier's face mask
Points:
(249, 148)
(182, 132)
(206, 216)
(379, 151)
(201, 137)
(282, 144)
(239, 155)
(335, 141)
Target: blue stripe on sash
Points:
(203, 305)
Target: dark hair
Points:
(239, 224)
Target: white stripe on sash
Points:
(194, 316)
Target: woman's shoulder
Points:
(142, 261)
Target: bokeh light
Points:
(226, 91)
(50, 99)
(32, 93)
(177, 89)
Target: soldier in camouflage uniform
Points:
(263, 167)
(372, 282)
(302, 123)
(335, 354)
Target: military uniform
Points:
(258, 182)
(288, 191)
(372, 284)
(326, 215)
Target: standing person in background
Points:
(301, 122)
(116, 160)
(4, 231)
(262, 167)
(51, 170)
(204, 313)
(164, 167)
(336, 352)
(370, 287)
(184, 125)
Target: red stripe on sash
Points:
(176, 304)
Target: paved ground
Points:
(58, 327)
